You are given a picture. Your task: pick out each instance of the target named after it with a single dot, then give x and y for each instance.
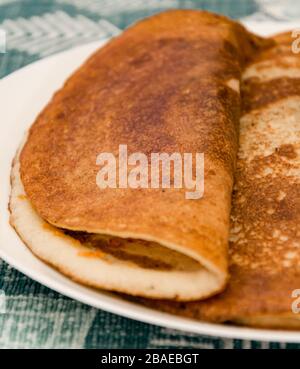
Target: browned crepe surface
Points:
(160, 87)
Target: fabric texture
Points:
(35, 316)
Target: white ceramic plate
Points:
(22, 95)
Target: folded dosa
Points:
(265, 235)
(168, 84)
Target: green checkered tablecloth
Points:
(37, 317)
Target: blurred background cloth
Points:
(35, 316)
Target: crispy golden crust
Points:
(265, 235)
(160, 87)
